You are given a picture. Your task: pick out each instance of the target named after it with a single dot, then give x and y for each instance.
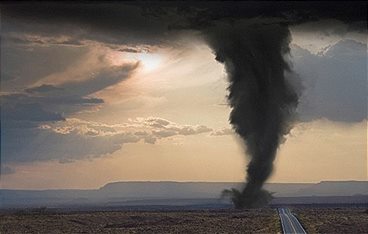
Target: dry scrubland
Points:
(315, 220)
(333, 220)
(227, 221)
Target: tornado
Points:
(261, 97)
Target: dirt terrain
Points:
(333, 220)
(226, 221)
(314, 220)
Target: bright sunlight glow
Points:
(149, 61)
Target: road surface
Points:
(289, 222)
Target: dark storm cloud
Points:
(109, 23)
(43, 89)
(22, 116)
(23, 66)
(21, 39)
(52, 102)
(335, 82)
(33, 112)
(130, 50)
(153, 23)
(44, 144)
(23, 139)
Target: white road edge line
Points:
(292, 225)
(282, 223)
(298, 222)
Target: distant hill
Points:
(166, 192)
(166, 189)
(213, 189)
(334, 188)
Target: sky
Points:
(96, 94)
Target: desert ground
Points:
(333, 220)
(314, 220)
(225, 221)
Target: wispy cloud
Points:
(75, 139)
(222, 132)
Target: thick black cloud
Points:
(106, 14)
(109, 23)
(151, 23)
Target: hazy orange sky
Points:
(164, 114)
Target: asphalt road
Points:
(289, 222)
